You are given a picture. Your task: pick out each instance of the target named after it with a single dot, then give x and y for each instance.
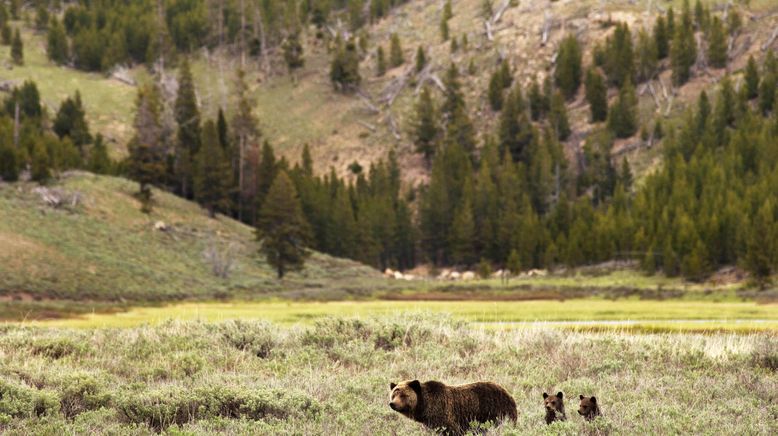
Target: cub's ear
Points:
(416, 386)
(581, 397)
(392, 386)
(545, 395)
(559, 395)
(594, 400)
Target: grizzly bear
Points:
(555, 407)
(588, 408)
(451, 409)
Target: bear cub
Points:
(555, 407)
(451, 409)
(588, 408)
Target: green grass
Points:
(106, 250)
(109, 103)
(333, 378)
(629, 314)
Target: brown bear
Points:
(555, 407)
(588, 408)
(451, 409)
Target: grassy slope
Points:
(311, 112)
(332, 378)
(108, 250)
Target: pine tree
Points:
(380, 62)
(425, 127)
(188, 135)
(71, 122)
(462, 235)
(57, 43)
(495, 91)
(421, 59)
(683, 51)
(99, 162)
(458, 127)
(661, 38)
(147, 154)
(619, 56)
(514, 263)
(41, 17)
(266, 173)
(395, 52)
(762, 244)
(444, 29)
(246, 132)
(9, 165)
(514, 130)
(567, 74)
(558, 117)
(344, 70)
(448, 12)
(221, 128)
(212, 172)
(596, 95)
(17, 49)
(293, 54)
(717, 44)
(622, 118)
(647, 57)
(625, 175)
(281, 228)
(752, 78)
(767, 92)
(536, 104)
(40, 165)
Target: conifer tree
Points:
(17, 49)
(458, 127)
(281, 228)
(647, 57)
(246, 135)
(670, 22)
(622, 117)
(462, 235)
(421, 59)
(752, 78)
(6, 34)
(99, 162)
(514, 263)
(717, 44)
(767, 91)
(9, 165)
(147, 154)
(395, 52)
(57, 43)
(425, 127)
(212, 172)
(41, 17)
(514, 128)
(40, 163)
(683, 51)
(221, 128)
(558, 117)
(293, 54)
(625, 175)
(536, 102)
(380, 62)
(762, 244)
(71, 121)
(495, 91)
(444, 33)
(619, 56)
(567, 74)
(505, 74)
(661, 38)
(188, 135)
(344, 70)
(266, 173)
(596, 95)
(448, 12)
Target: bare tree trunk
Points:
(242, 34)
(241, 158)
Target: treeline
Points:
(97, 35)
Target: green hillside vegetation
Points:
(105, 249)
(333, 378)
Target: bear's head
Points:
(588, 407)
(555, 407)
(404, 396)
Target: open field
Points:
(588, 314)
(332, 377)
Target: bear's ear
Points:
(581, 397)
(545, 395)
(416, 386)
(594, 400)
(392, 386)
(559, 395)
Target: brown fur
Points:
(555, 407)
(588, 408)
(450, 409)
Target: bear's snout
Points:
(392, 406)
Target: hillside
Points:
(343, 128)
(105, 250)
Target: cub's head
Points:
(588, 407)
(404, 396)
(553, 403)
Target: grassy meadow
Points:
(332, 376)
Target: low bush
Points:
(18, 400)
